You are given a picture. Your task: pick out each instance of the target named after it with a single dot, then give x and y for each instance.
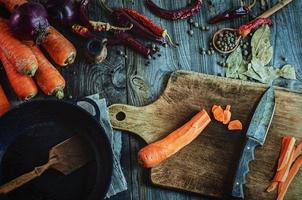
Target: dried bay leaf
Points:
(233, 62)
(287, 72)
(261, 45)
(251, 73)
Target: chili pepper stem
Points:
(102, 26)
(166, 34)
(252, 4)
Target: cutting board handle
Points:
(126, 118)
(137, 120)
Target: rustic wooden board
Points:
(207, 166)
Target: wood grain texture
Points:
(112, 79)
(207, 166)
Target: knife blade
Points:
(256, 135)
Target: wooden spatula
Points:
(65, 157)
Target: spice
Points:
(232, 14)
(128, 40)
(142, 26)
(226, 40)
(190, 32)
(102, 26)
(83, 31)
(190, 21)
(245, 29)
(182, 13)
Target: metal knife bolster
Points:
(243, 167)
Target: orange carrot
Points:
(286, 156)
(283, 186)
(227, 115)
(24, 86)
(282, 173)
(214, 107)
(298, 150)
(47, 76)
(59, 48)
(218, 113)
(17, 53)
(156, 152)
(4, 103)
(12, 4)
(235, 125)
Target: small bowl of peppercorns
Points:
(226, 40)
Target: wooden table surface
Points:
(129, 81)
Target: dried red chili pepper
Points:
(118, 38)
(142, 26)
(182, 13)
(128, 40)
(83, 15)
(245, 29)
(83, 31)
(232, 14)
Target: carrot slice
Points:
(227, 115)
(218, 113)
(47, 77)
(154, 153)
(289, 148)
(4, 103)
(288, 165)
(59, 48)
(282, 174)
(298, 150)
(17, 53)
(283, 186)
(214, 107)
(235, 125)
(24, 86)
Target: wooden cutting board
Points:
(207, 166)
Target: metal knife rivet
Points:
(248, 148)
(237, 183)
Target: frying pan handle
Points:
(25, 178)
(97, 114)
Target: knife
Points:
(256, 135)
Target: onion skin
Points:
(63, 12)
(29, 22)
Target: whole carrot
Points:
(17, 53)
(59, 48)
(4, 103)
(156, 152)
(47, 76)
(24, 86)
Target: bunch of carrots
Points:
(289, 163)
(25, 65)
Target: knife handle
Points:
(243, 168)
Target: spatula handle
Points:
(25, 178)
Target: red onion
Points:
(62, 11)
(29, 22)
